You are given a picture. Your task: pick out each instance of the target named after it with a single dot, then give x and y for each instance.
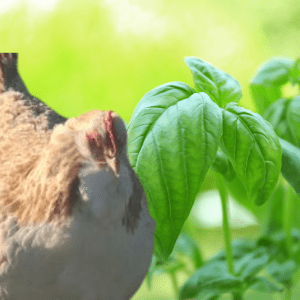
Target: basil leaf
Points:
(295, 73)
(240, 248)
(149, 109)
(212, 277)
(208, 295)
(293, 120)
(222, 165)
(276, 114)
(266, 85)
(291, 164)
(238, 192)
(220, 86)
(253, 149)
(173, 137)
(282, 272)
(284, 115)
(261, 284)
(187, 246)
(251, 263)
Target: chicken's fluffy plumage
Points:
(74, 221)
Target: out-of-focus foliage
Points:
(107, 54)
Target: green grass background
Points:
(85, 55)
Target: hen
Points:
(74, 220)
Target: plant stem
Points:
(288, 218)
(287, 225)
(224, 199)
(288, 292)
(226, 230)
(174, 283)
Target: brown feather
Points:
(37, 178)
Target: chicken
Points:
(74, 220)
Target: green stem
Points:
(288, 225)
(288, 292)
(174, 283)
(226, 230)
(224, 200)
(268, 225)
(288, 218)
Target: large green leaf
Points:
(253, 149)
(173, 137)
(238, 192)
(220, 86)
(270, 77)
(291, 164)
(223, 165)
(148, 110)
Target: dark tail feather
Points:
(10, 75)
(11, 79)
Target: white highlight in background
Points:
(207, 212)
(138, 19)
(6, 5)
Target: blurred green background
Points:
(83, 55)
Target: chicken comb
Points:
(95, 139)
(111, 139)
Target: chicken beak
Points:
(114, 164)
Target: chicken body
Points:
(74, 220)
(88, 257)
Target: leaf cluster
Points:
(268, 253)
(177, 133)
